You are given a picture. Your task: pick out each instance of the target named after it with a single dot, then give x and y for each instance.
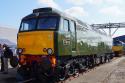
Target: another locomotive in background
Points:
(119, 45)
(54, 44)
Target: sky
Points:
(89, 11)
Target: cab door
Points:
(64, 38)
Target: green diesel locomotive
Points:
(54, 44)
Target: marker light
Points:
(19, 51)
(49, 51)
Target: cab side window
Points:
(65, 25)
(72, 26)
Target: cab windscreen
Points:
(42, 23)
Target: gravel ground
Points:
(10, 77)
(113, 72)
(118, 76)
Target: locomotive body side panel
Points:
(91, 41)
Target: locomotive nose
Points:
(37, 43)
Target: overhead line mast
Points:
(109, 26)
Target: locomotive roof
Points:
(50, 11)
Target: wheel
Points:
(62, 74)
(76, 69)
(76, 73)
(97, 61)
(103, 59)
(71, 70)
(23, 74)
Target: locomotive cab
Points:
(37, 37)
(46, 32)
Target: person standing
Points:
(7, 54)
(1, 56)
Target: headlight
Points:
(49, 51)
(19, 51)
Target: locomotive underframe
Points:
(66, 66)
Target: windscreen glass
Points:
(27, 25)
(47, 23)
(41, 23)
